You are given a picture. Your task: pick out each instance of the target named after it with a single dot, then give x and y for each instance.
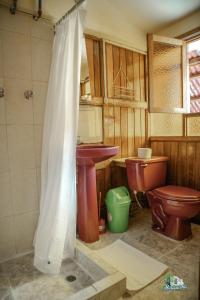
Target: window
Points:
(174, 73)
(193, 52)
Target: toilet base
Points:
(176, 228)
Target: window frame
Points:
(188, 37)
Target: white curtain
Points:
(56, 232)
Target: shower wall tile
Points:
(41, 59)
(25, 226)
(39, 101)
(5, 199)
(17, 55)
(7, 244)
(42, 30)
(19, 110)
(24, 191)
(4, 163)
(1, 55)
(21, 147)
(2, 106)
(38, 131)
(16, 23)
(25, 56)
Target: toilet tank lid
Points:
(153, 159)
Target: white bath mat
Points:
(139, 268)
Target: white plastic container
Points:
(144, 153)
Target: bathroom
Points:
(115, 54)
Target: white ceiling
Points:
(148, 15)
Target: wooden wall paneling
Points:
(123, 81)
(167, 152)
(142, 78)
(116, 66)
(97, 69)
(191, 162)
(117, 138)
(136, 66)
(137, 136)
(197, 164)
(129, 68)
(173, 162)
(131, 132)
(90, 58)
(184, 163)
(124, 131)
(181, 163)
(109, 69)
(158, 148)
(109, 125)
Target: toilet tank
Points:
(146, 174)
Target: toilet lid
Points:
(178, 193)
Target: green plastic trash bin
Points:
(118, 202)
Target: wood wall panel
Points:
(184, 162)
(133, 66)
(95, 65)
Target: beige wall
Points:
(25, 54)
(171, 124)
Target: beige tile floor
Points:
(181, 257)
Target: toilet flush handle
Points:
(144, 165)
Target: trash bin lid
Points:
(118, 196)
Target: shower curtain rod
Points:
(78, 3)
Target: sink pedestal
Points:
(87, 217)
(88, 225)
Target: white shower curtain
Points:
(56, 232)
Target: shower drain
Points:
(70, 278)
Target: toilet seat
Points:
(178, 193)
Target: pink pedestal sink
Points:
(87, 219)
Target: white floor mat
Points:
(139, 268)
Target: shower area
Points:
(26, 42)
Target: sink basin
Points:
(95, 153)
(87, 215)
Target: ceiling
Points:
(147, 15)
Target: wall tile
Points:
(19, 110)
(21, 147)
(42, 29)
(5, 195)
(193, 126)
(169, 124)
(16, 23)
(25, 226)
(4, 164)
(41, 59)
(7, 244)
(17, 55)
(38, 131)
(1, 54)
(39, 101)
(2, 105)
(24, 191)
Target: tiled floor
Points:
(19, 280)
(181, 257)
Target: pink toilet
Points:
(171, 206)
